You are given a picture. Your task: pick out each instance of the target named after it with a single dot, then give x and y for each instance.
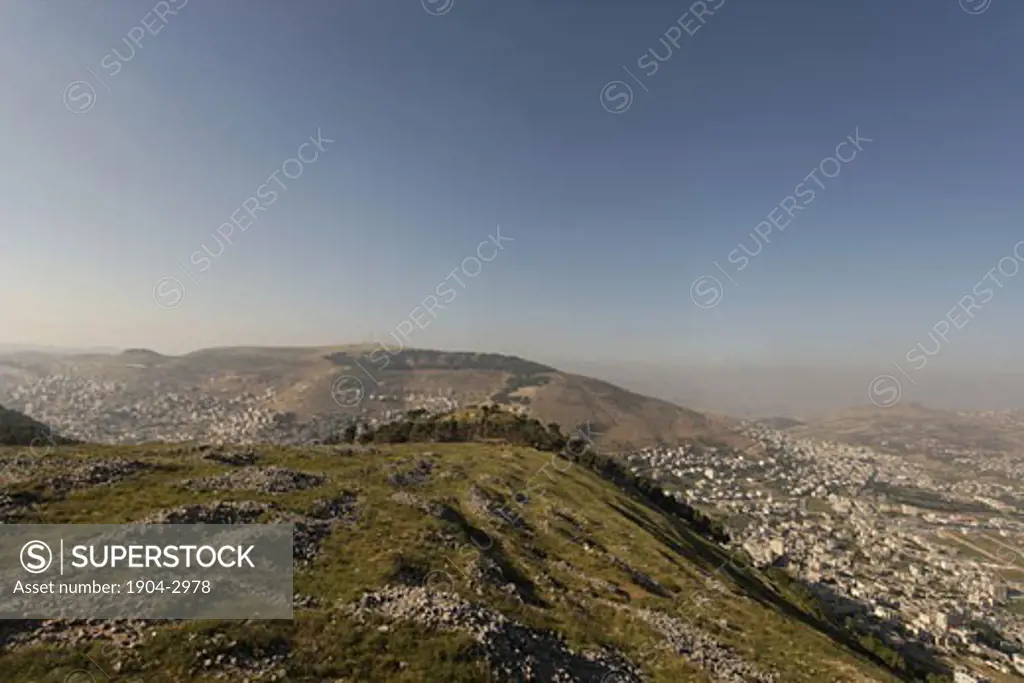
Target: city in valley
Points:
(905, 550)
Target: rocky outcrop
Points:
(228, 457)
(261, 479)
(247, 512)
(67, 474)
(722, 663)
(515, 653)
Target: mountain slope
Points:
(573, 575)
(303, 380)
(19, 430)
(621, 417)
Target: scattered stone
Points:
(648, 583)
(247, 512)
(597, 586)
(67, 474)
(236, 458)
(513, 651)
(408, 574)
(127, 634)
(488, 572)
(300, 601)
(222, 657)
(438, 510)
(415, 476)
(312, 529)
(262, 479)
(342, 508)
(98, 473)
(309, 538)
(439, 538)
(14, 508)
(721, 662)
(21, 468)
(494, 505)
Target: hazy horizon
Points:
(800, 184)
(752, 391)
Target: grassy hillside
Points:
(600, 579)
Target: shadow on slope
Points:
(20, 430)
(846, 621)
(698, 539)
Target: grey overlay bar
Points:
(56, 558)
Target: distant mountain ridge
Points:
(56, 350)
(909, 427)
(303, 381)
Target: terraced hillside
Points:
(426, 562)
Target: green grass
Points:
(764, 621)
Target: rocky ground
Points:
(515, 653)
(722, 663)
(67, 474)
(246, 512)
(229, 457)
(13, 508)
(262, 479)
(389, 539)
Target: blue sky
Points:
(448, 125)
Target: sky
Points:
(619, 182)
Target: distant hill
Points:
(780, 423)
(141, 357)
(6, 349)
(618, 416)
(20, 430)
(302, 379)
(912, 427)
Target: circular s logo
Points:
(707, 291)
(439, 582)
(885, 391)
(79, 97)
(975, 6)
(43, 444)
(616, 97)
(36, 557)
(347, 391)
(168, 293)
(438, 7)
